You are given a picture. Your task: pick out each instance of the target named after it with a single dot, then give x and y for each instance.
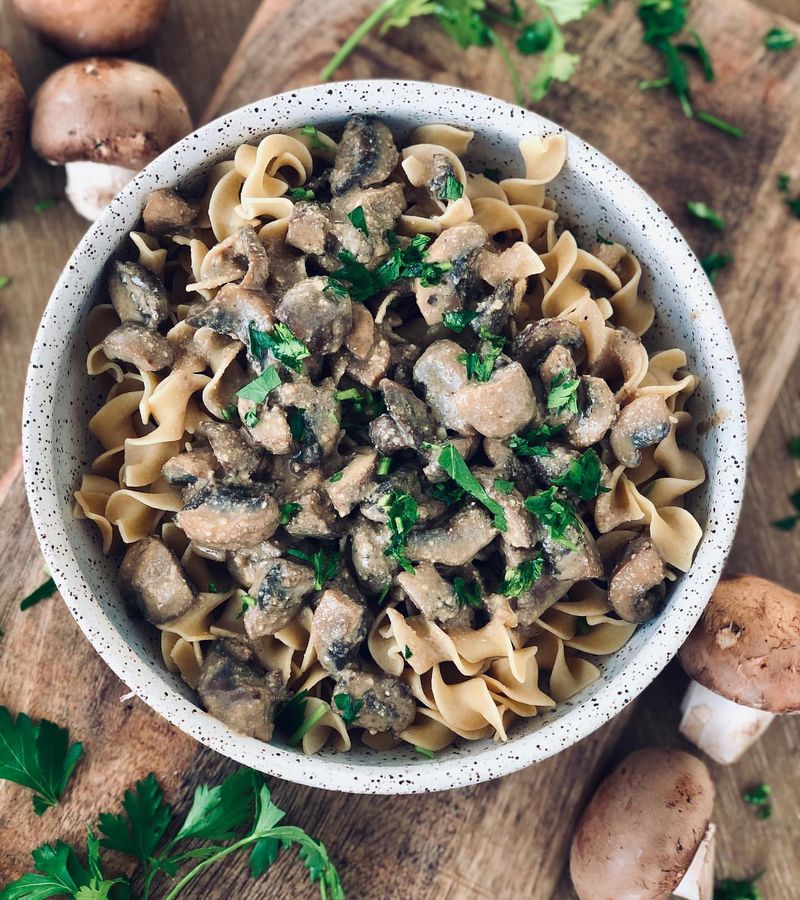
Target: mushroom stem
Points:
(698, 882)
(91, 186)
(719, 727)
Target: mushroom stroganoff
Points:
(383, 447)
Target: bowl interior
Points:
(592, 194)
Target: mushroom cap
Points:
(13, 118)
(641, 830)
(107, 110)
(83, 27)
(746, 645)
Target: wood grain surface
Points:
(507, 839)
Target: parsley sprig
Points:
(453, 463)
(532, 442)
(555, 514)
(583, 477)
(480, 364)
(467, 593)
(458, 319)
(521, 578)
(283, 345)
(563, 393)
(349, 707)
(259, 389)
(325, 565)
(780, 39)
(401, 516)
(713, 263)
(45, 590)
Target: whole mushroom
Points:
(13, 118)
(645, 834)
(105, 119)
(84, 27)
(744, 659)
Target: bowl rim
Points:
(424, 775)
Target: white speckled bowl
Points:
(592, 193)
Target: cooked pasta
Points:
(383, 450)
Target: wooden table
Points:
(442, 846)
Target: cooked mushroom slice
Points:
(320, 414)
(572, 563)
(369, 543)
(233, 310)
(546, 591)
(381, 208)
(441, 373)
(412, 417)
(365, 155)
(557, 363)
(632, 587)
(597, 410)
(229, 516)
(522, 530)
(279, 596)
(404, 480)
(509, 466)
(621, 358)
(13, 119)
(272, 430)
(309, 230)
(285, 266)
(382, 702)
(643, 422)
(338, 629)
(316, 517)
(141, 347)
(353, 482)
(166, 212)
(459, 246)
(190, 467)
(431, 594)
(456, 542)
(370, 370)
(743, 657)
(319, 317)
(498, 407)
(137, 294)
(538, 338)
(237, 458)
(238, 694)
(240, 257)
(249, 566)
(361, 338)
(495, 311)
(386, 436)
(555, 464)
(152, 577)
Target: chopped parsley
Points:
(44, 205)
(358, 220)
(453, 463)
(361, 282)
(721, 124)
(5, 281)
(297, 423)
(348, 707)
(287, 512)
(583, 477)
(789, 522)
(283, 345)
(258, 390)
(556, 515)
(325, 565)
(713, 263)
(602, 239)
(337, 476)
(458, 319)
(737, 889)
(452, 189)
(227, 412)
(563, 393)
(582, 626)
(467, 593)
(214, 588)
(336, 287)
(401, 516)
(531, 443)
(448, 492)
(759, 798)
(424, 751)
(783, 182)
(359, 408)
(300, 193)
(780, 39)
(248, 603)
(698, 49)
(521, 578)
(503, 486)
(384, 466)
(702, 211)
(251, 418)
(480, 365)
(312, 134)
(407, 652)
(41, 593)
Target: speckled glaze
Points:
(592, 194)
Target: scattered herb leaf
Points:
(336, 287)
(401, 516)
(532, 442)
(337, 476)
(312, 134)
(602, 239)
(283, 345)
(563, 393)
(44, 205)
(783, 182)
(704, 212)
(287, 512)
(453, 463)
(698, 48)
(407, 652)
(713, 263)
(325, 565)
(556, 515)
(448, 492)
(424, 751)
(779, 39)
(360, 407)
(5, 281)
(214, 588)
(297, 423)
(348, 707)
(41, 593)
(535, 37)
(300, 193)
(251, 418)
(583, 477)
(358, 220)
(228, 412)
(259, 389)
(737, 889)
(503, 486)
(467, 593)
(248, 603)
(480, 365)
(521, 578)
(384, 466)
(720, 124)
(452, 189)
(458, 319)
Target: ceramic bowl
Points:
(592, 194)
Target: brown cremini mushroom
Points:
(105, 119)
(13, 118)
(83, 27)
(744, 659)
(645, 834)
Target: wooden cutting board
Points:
(508, 839)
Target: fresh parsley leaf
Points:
(325, 565)
(452, 189)
(217, 813)
(337, 476)
(336, 287)
(602, 239)
(467, 593)
(556, 515)
(358, 220)
(662, 18)
(44, 205)
(287, 512)
(248, 603)
(143, 822)
(480, 365)
(259, 390)
(300, 193)
(38, 756)
(297, 423)
(704, 212)
(453, 463)
(384, 466)
(312, 134)
(283, 345)
(758, 796)
(698, 48)
(448, 492)
(251, 418)
(458, 319)
(228, 412)
(214, 588)
(737, 889)
(348, 707)
(362, 283)
(532, 442)
(783, 182)
(583, 477)
(292, 713)
(5, 281)
(411, 262)
(794, 206)
(59, 872)
(535, 37)
(359, 408)
(521, 578)
(780, 39)
(41, 593)
(720, 124)
(424, 751)
(503, 486)
(786, 524)
(401, 516)
(794, 447)
(713, 263)
(563, 393)
(407, 652)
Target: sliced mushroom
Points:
(279, 596)
(381, 208)
(632, 587)
(456, 542)
(238, 694)
(190, 467)
(368, 552)
(555, 464)
(338, 630)
(573, 557)
(495, 311)
(386, 436)
(413, 419)
(404, 480)
(241, 257)
(644, 422)
(142, 347)
(285, 266)
(309, 230)
(441, 373)
(500, 406)
(370, 370)
(430, 593)
(13, 119)
(597, 409)
(622, 357)
(152, 577)
(233, 311)
(229, 516)
(319, 317)
(366, 155)
(166, 212)
(249, 566)
(237, 458)
(466, 446)
(383, 702)
(354, 481)
(538, 338)
(316, 517)
(361, 338)
(460, 247)
(137, 295)
(522, 531)
(320, 411)
(510, 466)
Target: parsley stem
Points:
(356, 38)
(501, 48)
(732, 130)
